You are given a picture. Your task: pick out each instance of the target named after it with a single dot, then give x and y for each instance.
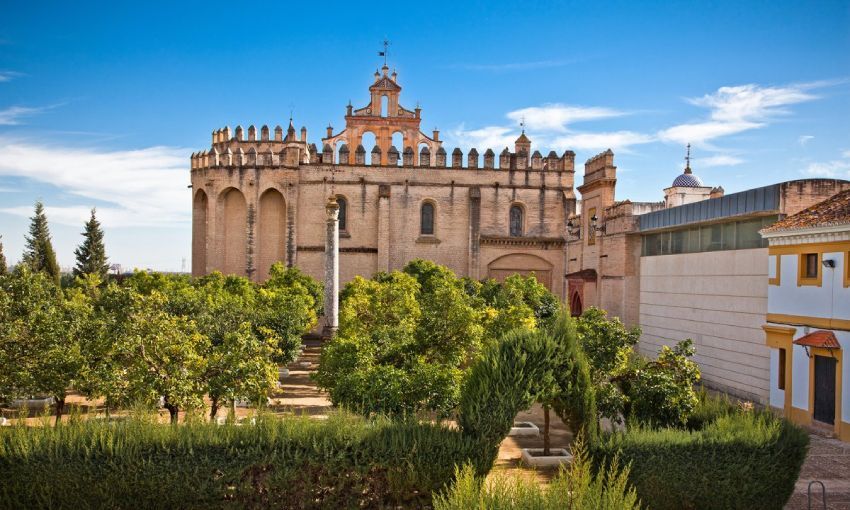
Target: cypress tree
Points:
(39, 254)
(91, 255)
(3, 268)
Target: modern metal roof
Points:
(752, 201)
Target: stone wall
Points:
(717, 299)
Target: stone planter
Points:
(282, 372)
(524, 428)
(534, 457)
(304, 364)
(32, 403)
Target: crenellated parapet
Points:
(240, 148)
(600, 168)
(426, 158)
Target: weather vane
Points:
(688, 157)
(385, 52)
(522, 124)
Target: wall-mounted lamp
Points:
(593, 220)
(830, 263)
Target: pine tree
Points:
(91, 255)
(3, 268)
(39, 254)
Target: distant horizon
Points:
(102, 106)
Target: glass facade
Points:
(731, 235)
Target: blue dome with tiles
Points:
(688, 180)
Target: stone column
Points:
(384, 227)
(332, 268)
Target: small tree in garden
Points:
(523, 367)
(242, 366)
(661, 392)
(91, 255)
(39, 348)
(167, 354)
(608, 346)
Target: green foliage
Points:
(282, 277)
(507, 379)
(521, 368)
(39, 350)
(407, 338)
(154, 336)
(342, 462)
(519, 301)
(661, 392)
(575, 487)
(740, 460)
(576, 399)
(404, 339)
(608, 344)
(91, 255)
(3, 267)
(38, 253)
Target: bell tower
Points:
(383, 124)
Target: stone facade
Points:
(260, 199)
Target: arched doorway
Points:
(575, 305)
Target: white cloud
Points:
(11, 116)
(494, 137)
(835, 168)
(737, 109)
(556, 117)
(804, 139)
(9, 75)
(548, 126)
(8, 190)
(145, 187)
(718, 160)
(615, 140)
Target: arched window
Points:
(343, 213)
(426, 219)
(516, 221)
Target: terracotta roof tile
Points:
(832, 211)
(820, 338)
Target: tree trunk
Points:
(213, 408)
(173, 411)
(60, 406)
(545, 430)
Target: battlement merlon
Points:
(600, 167)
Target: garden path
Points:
(828, 461)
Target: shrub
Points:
(342, 462)
(406, 339)
(661, 392)
(521, 368)
(574, 487)
(741, 460)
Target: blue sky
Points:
(101, 104)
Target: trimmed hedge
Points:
(740, 460)
(343, 462)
